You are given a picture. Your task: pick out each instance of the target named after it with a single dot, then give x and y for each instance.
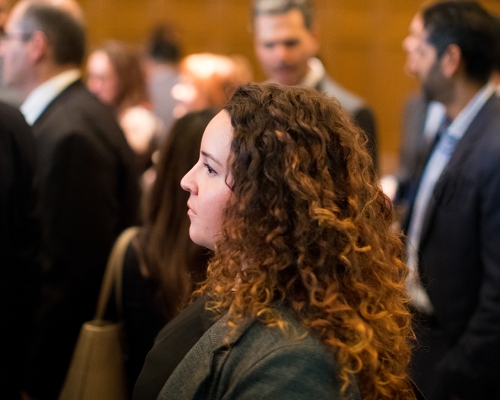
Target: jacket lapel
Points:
(462, 151)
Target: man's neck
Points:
(44, 73)
(315, 72)
(464, 91)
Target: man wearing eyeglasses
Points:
(86, 179)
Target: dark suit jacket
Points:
(460, 261)
(363, 115)
(19, 242)
(88, 195)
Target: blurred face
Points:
(411, 43)
(102, 79)
(208, 182)
(435, 85)
(283, 46)
(15, 51)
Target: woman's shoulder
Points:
(285, 362)
(258, 361)
(261, 340)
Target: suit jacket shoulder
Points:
(362, 114)
(350, 101)
(77, 118)
(77, 110)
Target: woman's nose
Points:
(187, 182)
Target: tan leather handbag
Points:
(97, 368)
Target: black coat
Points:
(19, 243)
(88, 194)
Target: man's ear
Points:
(38, 46)
(451, 60)
(314, 32)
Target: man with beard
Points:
(453, 233)
(421, 120)
(286, 42)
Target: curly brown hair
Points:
(308, 225)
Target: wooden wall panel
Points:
(361, 43)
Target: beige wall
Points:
(361, 43)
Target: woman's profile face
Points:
(208, 182)
(102, 79)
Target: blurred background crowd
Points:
(158, 71)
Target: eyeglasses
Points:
(22, 36)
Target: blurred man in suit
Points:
(286, 42)
(88, 188)
(453, 233)
(421, 121)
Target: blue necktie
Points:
(433, 170)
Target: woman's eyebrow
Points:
(208, 155)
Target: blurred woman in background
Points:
(115, 76)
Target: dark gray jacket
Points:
(256, 363)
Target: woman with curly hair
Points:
(306, 277)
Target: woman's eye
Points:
(210, 170)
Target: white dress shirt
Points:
(38, 100)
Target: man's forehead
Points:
(17, 13)
(417, 25)
(277, 27)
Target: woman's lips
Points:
(190, 210)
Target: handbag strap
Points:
(114, 272)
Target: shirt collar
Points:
(38, 100)
(463, 120)
(315, 74)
